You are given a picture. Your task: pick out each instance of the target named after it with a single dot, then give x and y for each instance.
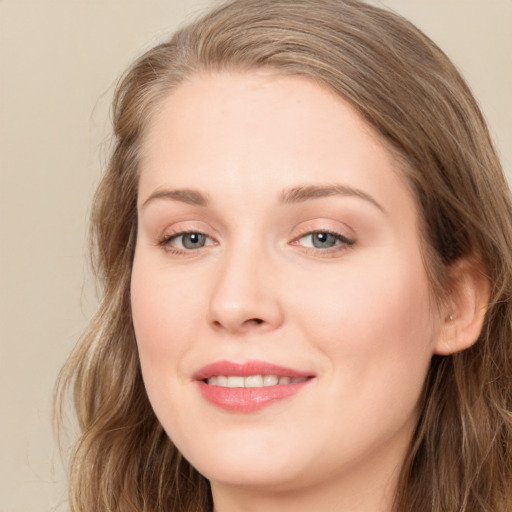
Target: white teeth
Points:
(252, 381)
(235, 382)
(270, 380)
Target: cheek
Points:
(163, 314)
(163, 317)
(376, 334)
(372, 324)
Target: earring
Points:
(451, 317)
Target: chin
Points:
(254, 466)
(252, 475)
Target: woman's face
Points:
(282, 310)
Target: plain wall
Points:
(59, 61)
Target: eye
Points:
(186, 241)
(321, 240)
(324, 240)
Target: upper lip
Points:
(227, 368)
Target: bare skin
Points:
(274, 226)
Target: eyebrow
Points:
(307, 192)
(186, 195)
(288, 196)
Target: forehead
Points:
(265, 108)
(237, 130)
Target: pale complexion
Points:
(253, 164)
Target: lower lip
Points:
(248, 399)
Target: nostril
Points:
(254, 321)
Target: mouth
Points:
(252, 381)
(250, 386)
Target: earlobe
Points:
(465, 307)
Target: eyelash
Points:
(165, 242)
(342, 242)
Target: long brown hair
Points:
(401, 83)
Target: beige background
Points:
(59, 61)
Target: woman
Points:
(304, 238)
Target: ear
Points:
(465, 307)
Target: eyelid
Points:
(164, 240)
(345, 241)
(340, 236)
(167, 238)
(326, 225)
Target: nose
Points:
(245, 296)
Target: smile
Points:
(250, 386)
(252, 381)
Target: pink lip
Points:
(228, 368)
(247, 399)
